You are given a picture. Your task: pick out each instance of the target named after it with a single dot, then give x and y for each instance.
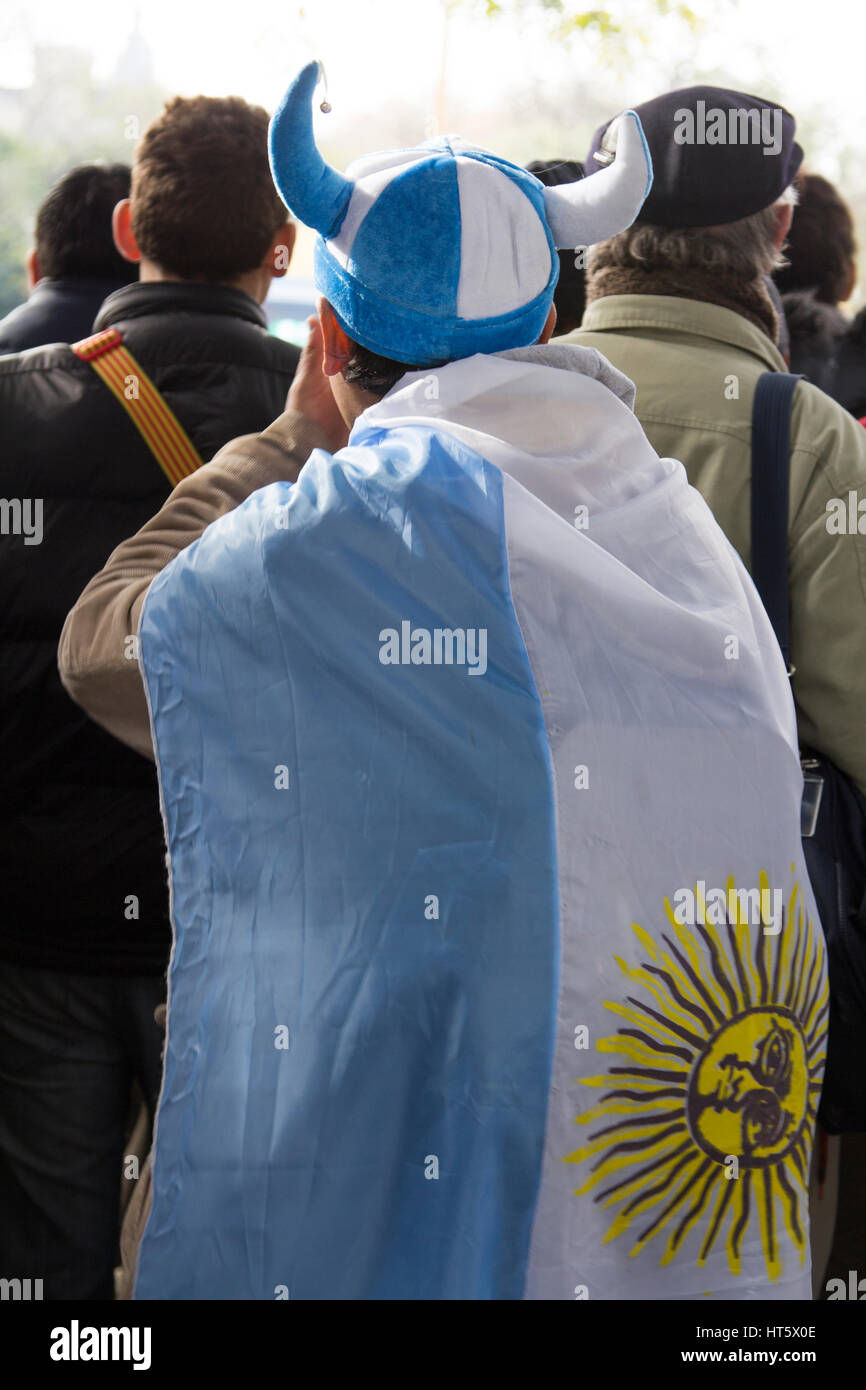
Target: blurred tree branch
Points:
(566, 18)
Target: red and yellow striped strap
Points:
(157, 423)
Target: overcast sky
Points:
(380, 50)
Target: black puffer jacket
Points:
(815, 331)
(81, 845)
(58, 311)
(849, 379)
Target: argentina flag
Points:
(496, 972)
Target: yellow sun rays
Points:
(708, 1107)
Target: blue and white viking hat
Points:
(434, 253)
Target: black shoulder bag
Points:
(833, 822)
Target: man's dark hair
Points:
(73, 224)
(570, 293)
(820, 248)
(204, 206)
(374, 373)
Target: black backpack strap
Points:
(771, 434)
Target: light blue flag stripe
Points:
(333, 1043)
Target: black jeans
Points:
(70, 1046)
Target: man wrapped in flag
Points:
(497, 974)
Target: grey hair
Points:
(744, 248)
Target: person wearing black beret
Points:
(679, 302)
(718, 155)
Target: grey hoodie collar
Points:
(570, 357)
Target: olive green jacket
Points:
(695, 367)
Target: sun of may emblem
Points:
(707, 1118)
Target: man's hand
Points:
(310, 391)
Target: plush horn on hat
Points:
(595, 208)
(309, 187)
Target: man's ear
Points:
(34, 274)
(337, 349)
(121, 230)
(549, 326)
(280, 250)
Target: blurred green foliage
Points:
(64, 118)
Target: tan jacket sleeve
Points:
(97, 656)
